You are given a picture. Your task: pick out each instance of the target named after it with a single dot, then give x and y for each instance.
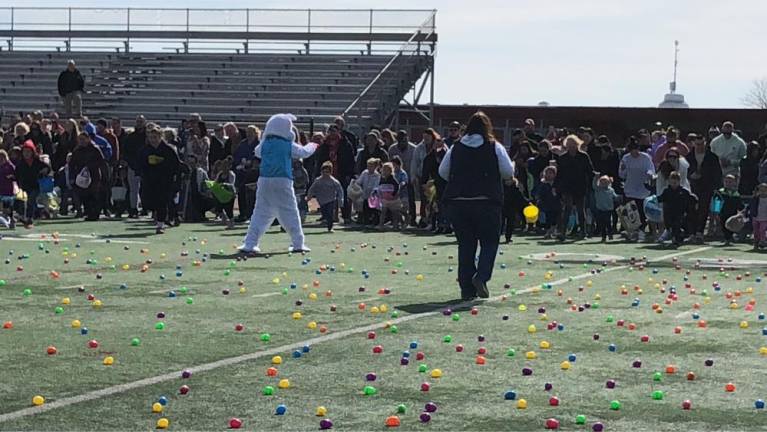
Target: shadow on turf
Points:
(456, 305)
(236, 255)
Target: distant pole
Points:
(676, 62)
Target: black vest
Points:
(474, 172)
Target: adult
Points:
(537, 163)
(453, 134)
(673, 161)
(234, 137)
(573, 183)
(672, 141)
(71, 85)
(705, 175)
(29, 170)
(159, 164)
(198, 144)
(636, 169)
(88, 158)
(67, 141)
(275, 196)
(730, 148)
(339, 151)
(246, 172)
(218, 150)
(530, 133)
(474, 170)
(749, 169)
(373, 149)
(429, 137)
(133, 145)
(117, 129)
(406, 150)
(430, 171)
(606, 161)
(101, 142)
(41, 138)
(347, 135)
(102, 129)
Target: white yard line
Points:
(121, 388)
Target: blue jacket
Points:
(276, 154)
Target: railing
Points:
(371, 96)
(137, 29)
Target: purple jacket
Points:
(7, 177)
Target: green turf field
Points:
(285, 302)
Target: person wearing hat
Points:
(71, 84)
(474, 169)
(453, 134)
(275, 197)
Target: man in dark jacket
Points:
(132, 146)
(573, 182)
(71, 85)
(339, 151)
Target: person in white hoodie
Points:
(275, 197)
(474, 169)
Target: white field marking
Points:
(70, 287)
(610, 269)
(271, 294)
(121, 388)
(50, 240)
(365, 300)
(50, 236)
(545, 256)
(118, 241)
(685, 314)
(27, 239)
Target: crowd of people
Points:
(657, 186)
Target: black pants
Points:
(568, 202)
(640, 208)
(475, 222)
(369, 215)
(411, 203)
(328, 211)
(673, 222)
(604, 223)
(509, 221)
(93, 202)
(346, 205)
(227, 207)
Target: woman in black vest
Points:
(474, 169)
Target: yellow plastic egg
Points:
(76, 324)
(38, 400)
(545, 345)
(321, 411)
(296, 315)
(157, 407)
(284, 383)
(531, 328)
(521, 404)
(66, 301)
(109, 361)
(565, 365)
(312, 325)
(163, 423)
(531, 355)
(313, 296)
(436, 373)
(276, 360)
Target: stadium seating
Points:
(243, 88)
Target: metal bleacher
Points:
(315, 82)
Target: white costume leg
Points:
(287, 212)
(264, 213)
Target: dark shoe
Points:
(468, 298)
(480, 286)
(159, 230)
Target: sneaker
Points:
(640, 236)
(303, 248)
(610, 237)
(547, 236)
(5, 222)
(249, 251)
(159, 230)
(664, 236)
(481, 287)
(331, 230)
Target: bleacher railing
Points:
(366, 31)
(377, 100)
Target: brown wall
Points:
(617, 123)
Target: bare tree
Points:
(757, 95)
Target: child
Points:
(675, 200)
(604, 199)
(514, 201)
(403, 181)
(7, 197)
(388, 190)
(548, 201)
(300, 183)
(368, 181)
(329, 193)
(757, 210)
(731, 204)
(225, 178)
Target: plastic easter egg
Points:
(38, 400)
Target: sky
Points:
(569, 52)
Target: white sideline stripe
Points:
(271, 294)
(120, 388)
